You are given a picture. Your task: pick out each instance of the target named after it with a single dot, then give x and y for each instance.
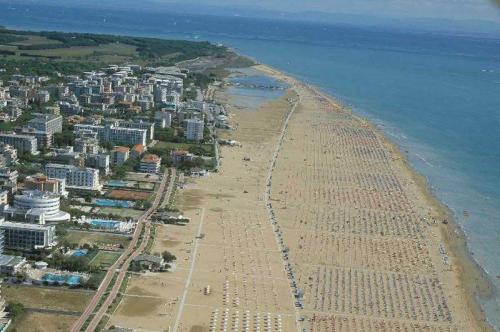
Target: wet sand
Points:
(366, 240)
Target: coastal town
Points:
(87, 155)
(206, 194)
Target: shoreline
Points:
(472, 278)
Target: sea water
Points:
(250, 89)
(437, 96)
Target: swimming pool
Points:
(105, 224)
(120, 183)
(79, 253)
(71, 280)
(74, 280)
(113, 203)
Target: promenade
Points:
(136, 246)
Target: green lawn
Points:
(97, 238)
(146, 185)
(125, 213)
(105, 259)
(46, 297)
(204, 149)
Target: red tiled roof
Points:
(150, 158)
(122, 149)
(138, 148)
(179, 152)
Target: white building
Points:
(23, 236)
(99, 161)
(4, 197)
(9, 153)
(163, 119)
(22, 143)
(150, 127)
(42, 97)
(116, 135)
(119, 155)
(194, 130)
(86, 145)
(150, 163)
(47, 122)
(41, 182)
(41, 202)
(76, 177)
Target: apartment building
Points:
(47, 122)
(113, 134)
(76, 177)
(119, 155)
(194, 130)
(22, 143)
(150, 163)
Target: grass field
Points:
(102, 53)
(83, 51)
(43, 322)
(129, 194)
(43, 53)
(47, 298)
(208, 148)
(96, 238)
(105, 259)
(146, 185)
(125, 213)
(35, 40)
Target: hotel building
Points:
(76, 177)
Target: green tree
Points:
(16, 309)
(168, 256)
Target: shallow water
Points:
(250, 89)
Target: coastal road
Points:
(123, 261)
(267, 199)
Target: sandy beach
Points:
(369, 247)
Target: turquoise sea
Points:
(435, 95)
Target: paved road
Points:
(123, 262)
(269, 206)
(191, 269)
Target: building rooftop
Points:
(38, 194)
(23, 225)
(41, 179)
(70, 167)
(179, 153)
(17, 135)
(149, 258)
(150, 158)
(7, 260)
(43, 117)
(139, 148)
(121, 149)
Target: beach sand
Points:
(366, 240)
(370, 244)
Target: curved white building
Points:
(41, 202)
